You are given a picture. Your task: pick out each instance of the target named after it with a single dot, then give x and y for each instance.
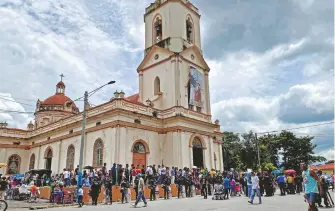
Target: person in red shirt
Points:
(138, 169)
(133, 174)
(33, 194)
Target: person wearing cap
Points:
(140, 191)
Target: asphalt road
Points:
(287, 203)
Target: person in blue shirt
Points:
(226, 185)
(249, 184)
(312, 185)
(281, 183)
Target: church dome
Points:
(57, 99)
(55, 107)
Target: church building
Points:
(168, 122)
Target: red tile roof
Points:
(328, 166)
(133, 98)
(57, 99)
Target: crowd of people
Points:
(187, 180)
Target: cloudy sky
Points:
(271, 64)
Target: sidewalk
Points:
(14, 205)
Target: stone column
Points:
(220, 158)
(39, 158)
(60, 159)
(208, 103)
(211, 154)
(140, 74)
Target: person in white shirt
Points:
(255, 188)
(66, 175)
(149, 171)
(80, 196)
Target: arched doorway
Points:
(32, 162)
(139, 154)
(13, 164)
(198, 156)
(48, 159)
(70, 157)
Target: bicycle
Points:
(3, 203)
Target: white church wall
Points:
(91, 138)
(5, 153)
(150, 137)
(166, 75)
(34, 151)
(55, 158)
(75, 141)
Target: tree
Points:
(248, 150)
(330, 161)
(231, 150)
(240, 152)
(296, 150)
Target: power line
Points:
(18, 98)
(21, 112)
(296, 128)
(16, 101)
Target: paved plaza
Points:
(287, 203)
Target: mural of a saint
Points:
(196, 87)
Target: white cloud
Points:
(7, 103)
(248, 73)
(328, 154)
(92, 42)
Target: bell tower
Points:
(173, 72)
(172, 24)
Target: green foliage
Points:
(240, 151)
(269, 167)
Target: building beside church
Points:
(169, 121)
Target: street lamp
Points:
(86, 96)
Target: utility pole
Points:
(82, 141)
(259, 159)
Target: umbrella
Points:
(290, 171)
(88, 167)
(3, 165)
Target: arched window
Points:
(13, 164)
(70, 157)
(189, 30)
(32, 162)
(158, 29)
(98, 153)
(139, 148)
(48, 158)
(196, 143)
(157, 86)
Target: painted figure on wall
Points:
(196, 86)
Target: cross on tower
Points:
(61, 77)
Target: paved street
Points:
(287, 203)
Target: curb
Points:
(51, 206)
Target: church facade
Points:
(168, 122)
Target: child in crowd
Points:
(80, 196)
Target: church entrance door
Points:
(139, 159)
(139, 155)
(198, 157)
